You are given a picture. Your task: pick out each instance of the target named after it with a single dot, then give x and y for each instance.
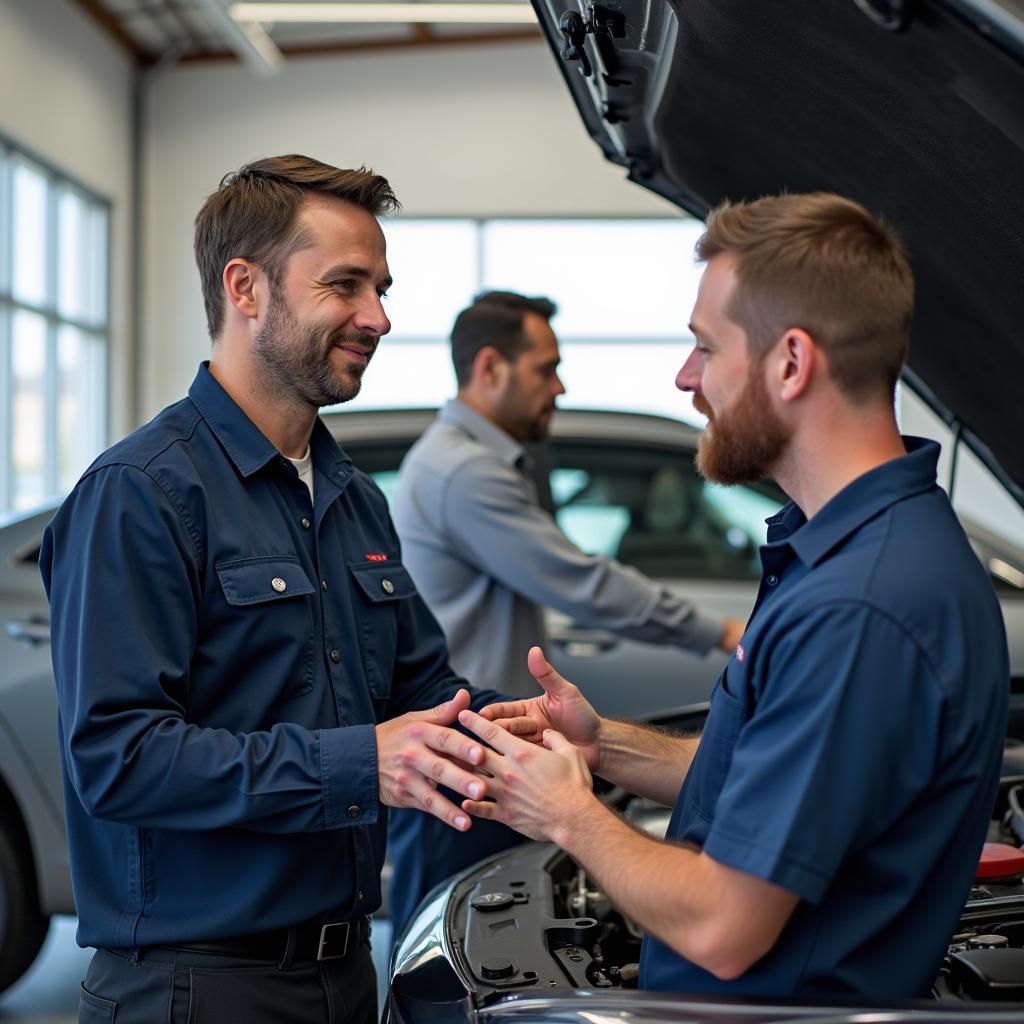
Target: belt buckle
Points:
(328, 941)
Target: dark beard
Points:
(744, 443)
(292, 358)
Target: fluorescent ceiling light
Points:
(467, 13)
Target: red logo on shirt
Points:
(740, 653)
(376, 558)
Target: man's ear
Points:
(243, 282)
(490, 368)
(795, 362)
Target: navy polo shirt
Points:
(853, 746)
(223, 649)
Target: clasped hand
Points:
(541, 751)
(416, 753)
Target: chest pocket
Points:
(731, 708)
(270, 615)
(381, 587)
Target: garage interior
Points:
(143, 105)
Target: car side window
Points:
(380, 460)
(649, 508)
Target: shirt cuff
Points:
(703, 632)
(348, 773)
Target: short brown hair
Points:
(253, 215)
(825, 264)
(495, 319)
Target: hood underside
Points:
(915, 109)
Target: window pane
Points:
(29, 263)
(406, 376)
(434, 266)
(611, 279)
(96, 309)
(73, 269)
(631, 377)
(28, 412)
(80, 403)
(81, 258)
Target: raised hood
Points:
(915, 109)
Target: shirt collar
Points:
(481, 429)
(246, 445)
(855, 504)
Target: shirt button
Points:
(335, 655)
(360, 896)
(354, 811)
(305, 523)
(323, 584)
(387, 586)
(771, 580)
(279, 584)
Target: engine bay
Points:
(534, 920)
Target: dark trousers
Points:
(424, 851)
(176, 987)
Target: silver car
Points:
(619, 483)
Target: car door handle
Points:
(29, 632)
(586, 646)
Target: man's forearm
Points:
(644, 760)
(697, 907)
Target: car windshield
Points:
(648, 507)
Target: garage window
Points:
(53, 329)
(624, 288)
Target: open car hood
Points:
(915, 108)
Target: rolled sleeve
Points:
(494, 521)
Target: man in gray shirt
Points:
(484, 554)
(487, 557)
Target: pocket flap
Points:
(267, 578)
(383, 581)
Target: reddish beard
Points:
(743, 443)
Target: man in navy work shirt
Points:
(246, 675)
(828, 821)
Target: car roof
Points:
(381, 425)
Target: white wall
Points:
(66, 94)
(459, 131)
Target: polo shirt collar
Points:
(457, 413)
(246, 445)
(863, 499)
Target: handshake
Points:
(534, 753)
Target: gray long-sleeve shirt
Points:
(486, 557)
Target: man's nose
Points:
(688, 377)
(558, 388)
(371, 318)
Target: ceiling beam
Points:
(111, 24)
(249, 42)
(528, 35)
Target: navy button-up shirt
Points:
(852, 750)
(220, 668)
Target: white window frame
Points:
(11, 153)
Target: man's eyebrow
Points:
(346, 270)
(697, 332)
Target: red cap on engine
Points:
(999, 860)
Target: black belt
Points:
(303, 942)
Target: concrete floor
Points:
(48, 993)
